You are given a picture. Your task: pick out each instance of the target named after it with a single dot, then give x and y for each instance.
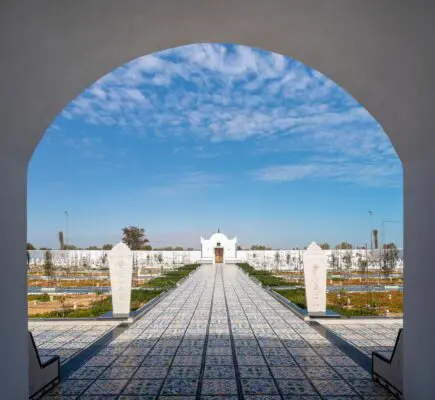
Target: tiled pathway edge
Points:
(219, 336)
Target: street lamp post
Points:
(66, 231)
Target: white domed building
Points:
(219, 249)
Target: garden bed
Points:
(98, 307)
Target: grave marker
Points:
(121, 271)
(315, 280)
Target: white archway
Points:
(380, 52)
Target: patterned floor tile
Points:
(219, 372)
(182, 372)
(353, 373)
(106, 387)
(219, 387)
(296, 387)
(129, 361)
(115, 372)
(219, 351)
(254, 372)
(287, 373)
(174, 387)
(250, 360)
(308, 361)
(258, 386)
(100, 361)
(320, 373)
(147, 387)
(219, 360)
(155, 372)
(368, 387)
(87, 373)
(333, 388)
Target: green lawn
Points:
(170, 278)
(265, 277)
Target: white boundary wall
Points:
(284, 260)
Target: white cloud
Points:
(185, 183)
(218, 93)
(342, 170)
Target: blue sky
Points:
(208, 136)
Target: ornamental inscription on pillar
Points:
(315, 279)
(121, 271)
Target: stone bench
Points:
(42, 375)
(387, 370)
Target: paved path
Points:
(219, 334)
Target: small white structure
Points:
(121, 271)
(315, 279)
(218, 249)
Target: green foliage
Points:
(170, 278)
(347, 260)
(265, 277)
(325, 246)
(344, 246)
(30, 246)
(48, 263)
(39, 297)
(260, 247)
(390, 255)
(296, 296)
(107, 246)
(134, 237)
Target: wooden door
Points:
(218, 255)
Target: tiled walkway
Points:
(368, 336)
(219, 334)
(66, 339)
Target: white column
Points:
(13, 275)
(419, 277)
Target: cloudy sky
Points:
(209, 136)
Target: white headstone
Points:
(121, 271)
(315, 279)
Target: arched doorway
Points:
(380, 53)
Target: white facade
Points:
(218, 243)
(284, 260)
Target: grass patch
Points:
(297, 297)
(100, 307)
(170, 278)
(38, 297)
(265, 277)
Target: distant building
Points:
(218, 249)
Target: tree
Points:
(146, 247)
(325, 246)
(362, 263)
(344, 246)
(92, 248)
(333, 261)
(239, 247)
(107, 246)
(61, 241)
(260, 247)
(134, 237)
(190, 249)
(390, 256)
(30, 246)
(48, 263)
(70, 247)
(347, 260)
